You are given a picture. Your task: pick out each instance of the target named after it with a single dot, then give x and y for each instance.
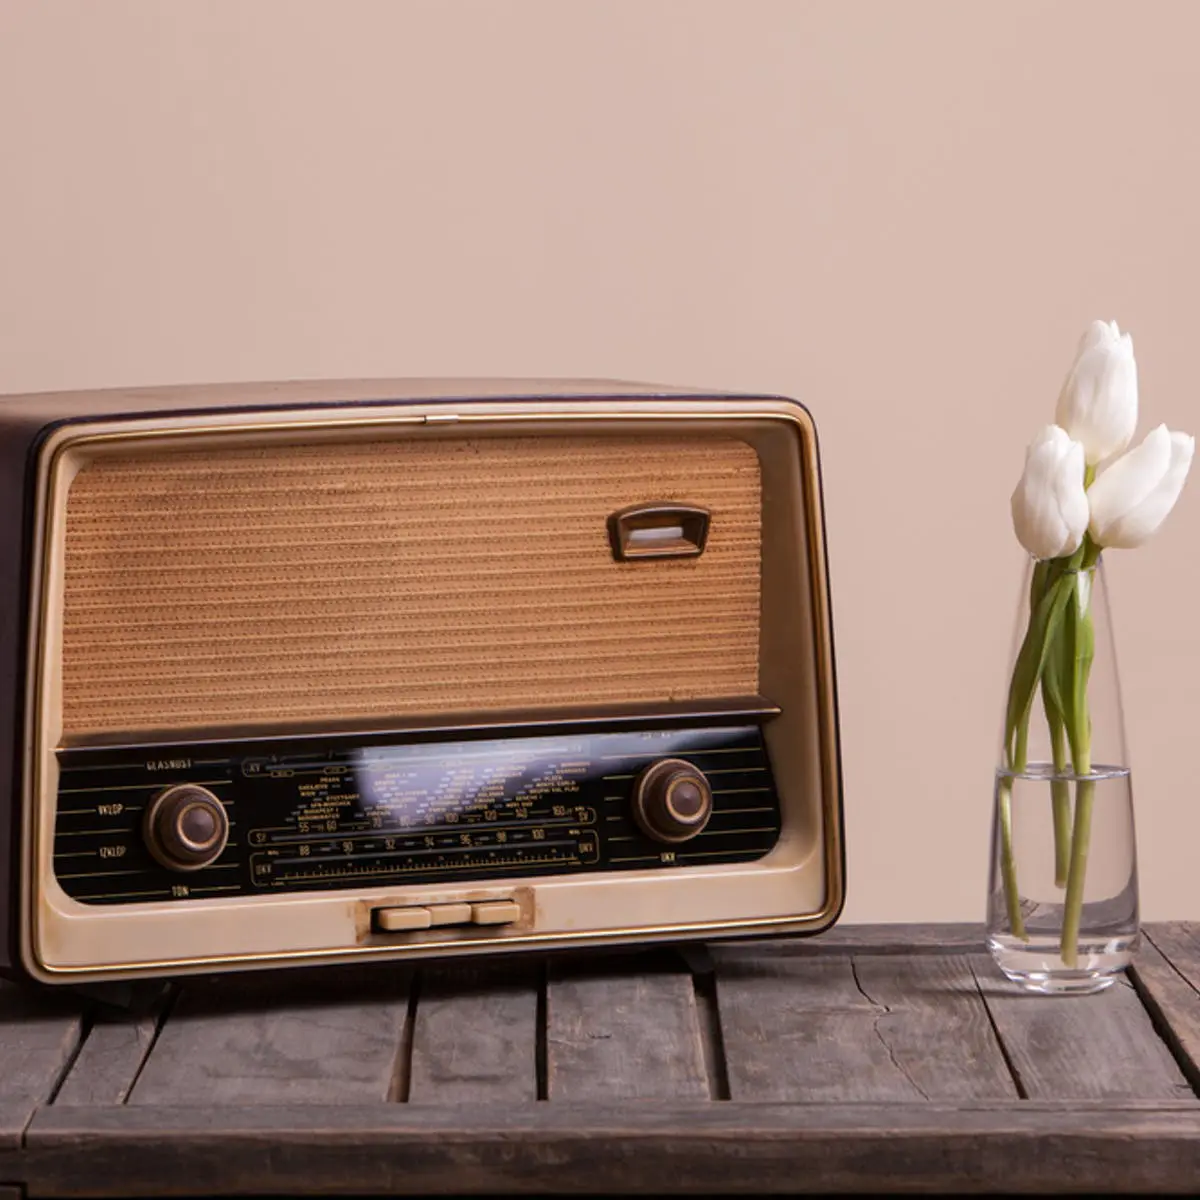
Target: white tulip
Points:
(1049, 505)
(1098, 404)
(1131, 497)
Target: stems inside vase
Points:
(1056, 654)
(1080, 631)
(1008, 863)
(1060, 796)
(1085, 791)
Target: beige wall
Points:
(903, 213)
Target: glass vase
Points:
(1062, 912)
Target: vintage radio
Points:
(328, 672)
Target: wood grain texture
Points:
(110, 1058)
(39, 1034)
(1179, 941)
(475, 1035)
(312, 1038)
(867, 1028)
(622, 1148)
(1081, 1047)
(14, 1116)
(623, 1027)
(1170, 990)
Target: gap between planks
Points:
(712, 1041)
(113, 1052)
(401, 1084)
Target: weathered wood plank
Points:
(1102, 1046)
(475, 1034)
(14, 1116)
(841, 1029)
(1179, 943)
(1170, 990)
(623, 1026)
(111, 1056)
(39, 1033)
(307, 1037)
(616, 1148)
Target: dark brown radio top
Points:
(885, 1058)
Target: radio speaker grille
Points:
(365, 580)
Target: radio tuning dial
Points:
(672, 801)
(186, 827)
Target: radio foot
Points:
(135, 999)
(696, 957)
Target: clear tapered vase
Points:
(1062, 912)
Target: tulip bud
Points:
(1049, 505)
(1098, 404)
(1131, 497)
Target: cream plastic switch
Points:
(495, 912)
(393, 920)
(450, 914)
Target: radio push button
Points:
(393, 920)
(495, 912)
(449, 914)
(186, 827)
(672, 801)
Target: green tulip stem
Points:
(1085, 791)
(1060, 792)
(1079, 732)
(1008, 863)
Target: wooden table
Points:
(886, 1058)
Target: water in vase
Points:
(1038, 821)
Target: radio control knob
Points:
(672, 800)
(186, 827)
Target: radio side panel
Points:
(21, 428)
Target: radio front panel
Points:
(320, 815)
